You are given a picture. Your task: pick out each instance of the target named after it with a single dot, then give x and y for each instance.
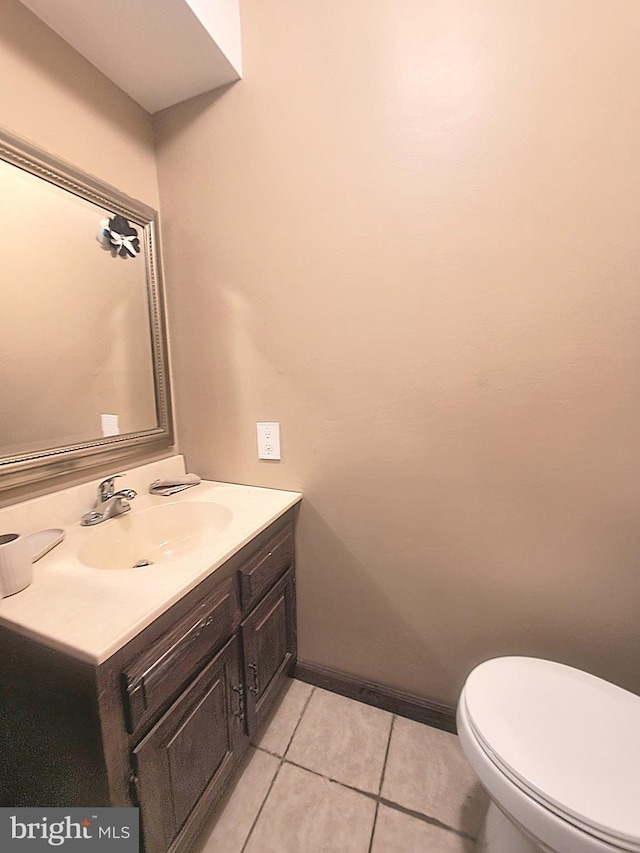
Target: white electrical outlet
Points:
(110, 425)
(268, 440)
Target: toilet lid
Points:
(569, 739)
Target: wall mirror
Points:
(83, 355)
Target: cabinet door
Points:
(269, 645)
(188, 756)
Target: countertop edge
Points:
(89, 653)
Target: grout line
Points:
(380, 800)
(384, 767)
(276, 774)
(373, 828)
(268, 751)
(295, 729)
(262, 805)
(433, 821)
(302, 713)
(331, 779)
(386, 755)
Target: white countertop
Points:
(91, 613)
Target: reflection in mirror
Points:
(82, 349)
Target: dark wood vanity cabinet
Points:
(165, 720)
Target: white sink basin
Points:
(139, 538)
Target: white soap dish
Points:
(42, 541)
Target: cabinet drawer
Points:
(160, 673)
(260, 572)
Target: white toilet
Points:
(558, 751)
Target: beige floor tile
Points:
(342, 739)
(400, 833)
(305, 813)
(276, 735)
(426, 771)
(240, 809)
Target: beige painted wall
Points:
(54, 98)
(411, 234)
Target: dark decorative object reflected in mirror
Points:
(83, 354)
(119, 237)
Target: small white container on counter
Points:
(16, 566)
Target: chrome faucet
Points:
(108, 503)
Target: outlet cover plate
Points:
(268, 434)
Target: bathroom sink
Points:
(141, 538)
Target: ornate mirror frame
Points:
(41, 465)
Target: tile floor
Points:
(331, 775)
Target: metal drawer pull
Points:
(133, 787)
(237, 688)
(202, 624)
(253, 666)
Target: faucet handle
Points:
(106, 487)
